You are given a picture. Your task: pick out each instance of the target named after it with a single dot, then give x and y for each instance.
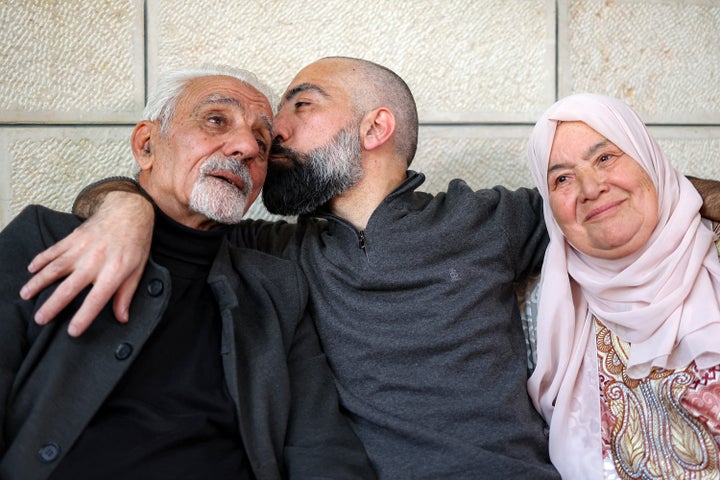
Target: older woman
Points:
(628, 367)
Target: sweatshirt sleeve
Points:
(525, 230)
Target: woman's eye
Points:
(557, 181)
(300, 104)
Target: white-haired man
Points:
(222, 375)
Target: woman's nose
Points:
(592, 184)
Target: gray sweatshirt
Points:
(419, 319)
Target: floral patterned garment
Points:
(664, 426)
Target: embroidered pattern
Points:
(648, 429)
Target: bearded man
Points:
(220, 374)
(412, 294)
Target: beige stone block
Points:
(466, 61)
(50, 166)
(691, 150)
(482, 156)
(661, 56)
(71, 61)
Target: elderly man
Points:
(220, 374)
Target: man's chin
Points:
(280, 207)
(223, 205)
(280, 201)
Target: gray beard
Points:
(217, 199)
(315, 177)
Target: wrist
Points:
(92, 196)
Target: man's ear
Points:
(376, 128)
(140, 143)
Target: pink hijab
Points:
(664, 299)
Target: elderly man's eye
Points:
(216, 119)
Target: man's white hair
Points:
(171, 85)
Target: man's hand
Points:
(710, 192)
(108, 251)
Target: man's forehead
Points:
(220, 89)
(210, 92)
(328, 87)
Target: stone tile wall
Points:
(74, 74)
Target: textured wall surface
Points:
(39, 165)
(73, 75)
(660, 56)
(464, 60)
(71, 61)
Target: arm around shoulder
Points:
(92, 196)
(109, 251)
(710, 192)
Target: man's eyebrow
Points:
(218, 98)
(222, 99)
(303, 87)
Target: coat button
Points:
(155, 287)
(49, 452)
(123, 351)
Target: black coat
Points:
(52, 384)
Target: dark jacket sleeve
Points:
(26, 236)
(277, 373)
(14, 313)
(269, 237)
(320, 442)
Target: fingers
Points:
(48, 266)
(124, 295)
(48, 255)
(91, 307)
(66, 291)
(108, 251)
(114, 277)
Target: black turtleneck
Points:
(170, 416)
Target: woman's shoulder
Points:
(716, 230)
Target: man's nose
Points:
(241, 143)
(281, 127)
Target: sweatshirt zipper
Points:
(360, 234)
(361, 241)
